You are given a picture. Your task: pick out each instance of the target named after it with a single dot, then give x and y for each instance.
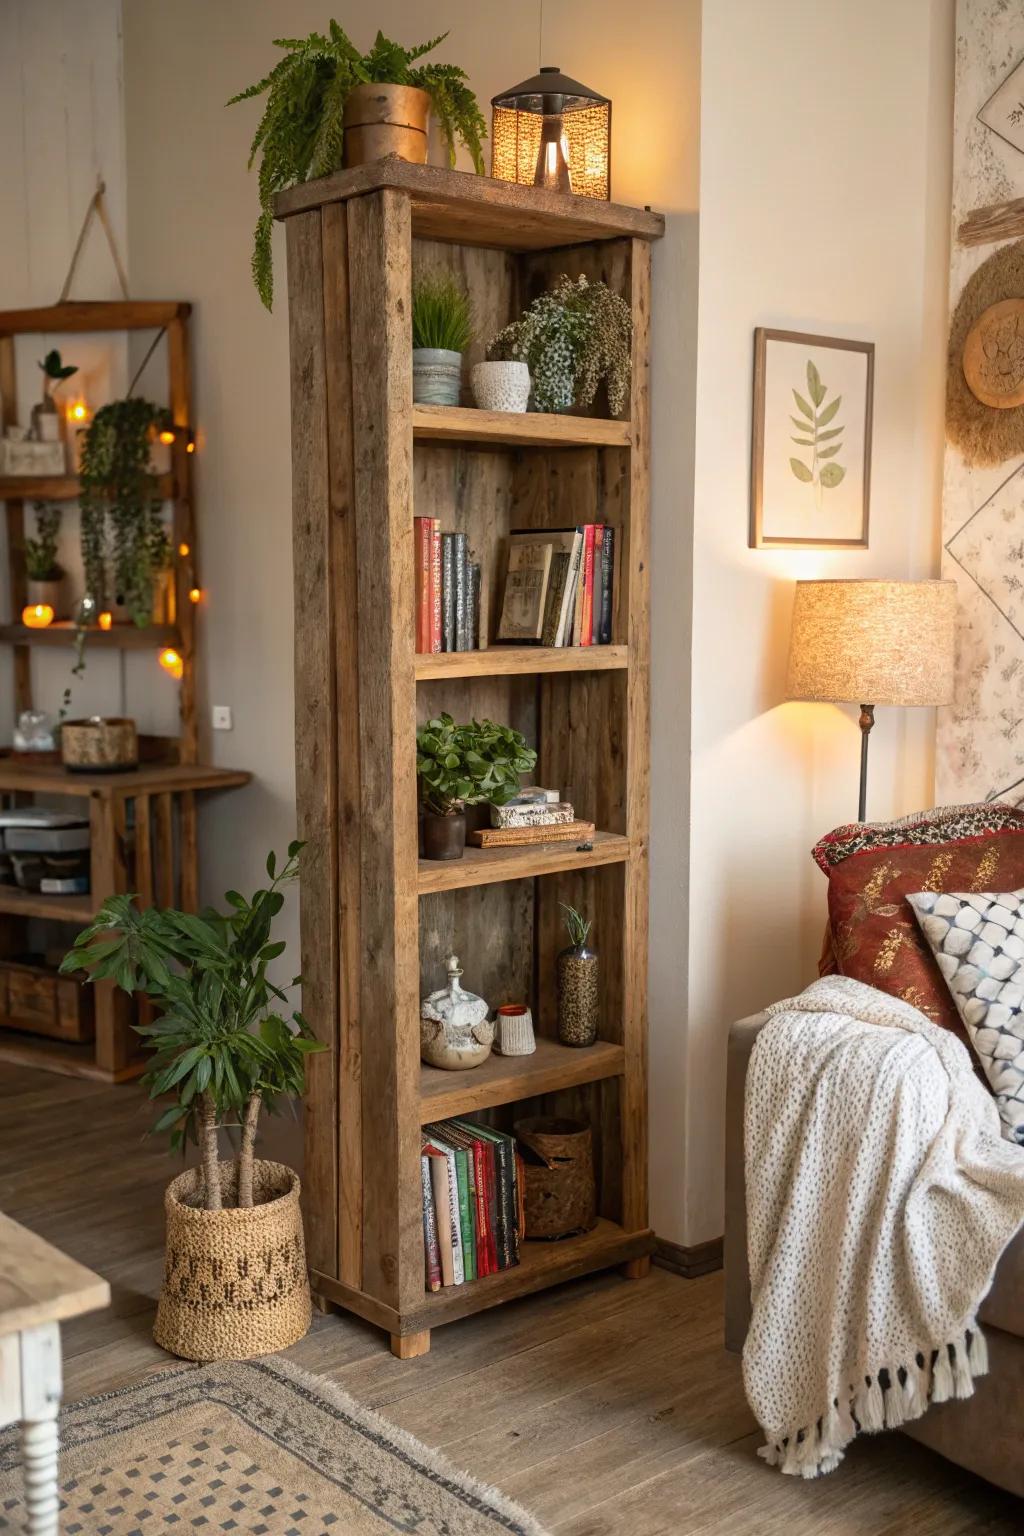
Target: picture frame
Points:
(810, 460)
(1003, 112)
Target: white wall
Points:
(824, 199)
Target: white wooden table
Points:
(39, 1288)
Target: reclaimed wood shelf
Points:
(15, 902)
(521, 660)
(377, 922)
(490, 866)
(119, 637)
(503, 1079)
(147, 779)
(528, 429)
(61, 487)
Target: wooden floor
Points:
(607, 1407)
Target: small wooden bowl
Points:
(99, 745)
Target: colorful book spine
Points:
(564, 635)
(436, 636)
(446, 1136)
(556, 593)
(595, 603)
(448, 591)
(442, 1206)
(431, 1252)
(461, 577)
(585, 636)
(423, 529)
(607, 573)
(472, 605)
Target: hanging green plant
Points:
(124, 541)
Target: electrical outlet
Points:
(222, 717)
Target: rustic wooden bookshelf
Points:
(377, 921)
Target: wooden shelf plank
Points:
(120, 637)
(504, 1079)
(66, 909)
(458, 207)
(489, 866)
(61, 487)
(457, 423)
(64, 1058)
(150, 778)
(521, 660)
(93, 315)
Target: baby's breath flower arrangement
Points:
(572, 338)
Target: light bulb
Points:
(172, 662)
(194, 595)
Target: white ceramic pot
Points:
(501, 386)
(436, 376)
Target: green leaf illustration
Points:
(815, 388)
(801, 424)
(831, 475)
(802, 403)
(805, 442)
(824, 437)
(829, 411)
(814, 433)
(802, 472)
(831, 451)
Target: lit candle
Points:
(183, 550)
(194, 595)
(37, 615)
(77, 412)
(105, 620)
(172, 662)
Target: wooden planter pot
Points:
(386, 120)
(235, 1281)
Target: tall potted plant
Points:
(327, 102)
(45, 415)
(41, 565)
(459, 765)
(442, 329)
(235, 1281)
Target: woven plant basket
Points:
(235, 1281)
(558, 1163)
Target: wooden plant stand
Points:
(376, 922)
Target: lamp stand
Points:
(867, 720)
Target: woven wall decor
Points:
(986, 433)
(994, 355)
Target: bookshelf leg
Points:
(406, 1346)
(321, 1303)
(637, 1269)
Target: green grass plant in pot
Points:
(226, 1045)
(442, 329)
(328, 104)
(42, 568)
(459, 765)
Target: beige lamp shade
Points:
(873, 642)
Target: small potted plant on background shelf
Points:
(235, 1281)
(45, 415)
(573, 339)
(442, 329)
(42, 569)
(579, 1003)
(327, 103)
(459, 765)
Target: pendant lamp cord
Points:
(98, 206)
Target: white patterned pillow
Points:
(978, 941)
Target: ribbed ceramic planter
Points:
(436, 376)
(514, 1031)
(500, 386)
(386, 120)
(235, 1281)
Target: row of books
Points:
(447, 590)
(472, 1202)
(558, 589)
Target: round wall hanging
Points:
(985, 372)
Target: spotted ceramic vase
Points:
(578, 998)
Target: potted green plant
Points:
(42, 569)
(573, 338)
(45, 415)
(125, 546)
(442, 329)
(576, 967)
(235, 1281)
(460, 765)
(327, 102)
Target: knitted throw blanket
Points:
(880, 1195)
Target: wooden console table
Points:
(40, 1287)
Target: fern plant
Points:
(301, 133)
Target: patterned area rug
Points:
(256, 1449)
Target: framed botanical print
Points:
(810, 465)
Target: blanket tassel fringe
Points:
(884, 1401)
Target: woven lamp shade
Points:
(873, 642)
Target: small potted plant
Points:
(460, 765)
(41, 566)
(577, 971)
(572, 339)
(442, 329)
(327, 102)
(45, 415)
(235, 1280)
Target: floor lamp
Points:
(888, 642)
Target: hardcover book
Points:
(526, 587)
(448, 591)
(461, 578)
(607, 570)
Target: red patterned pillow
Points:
(872, 867)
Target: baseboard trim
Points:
(688, 1262)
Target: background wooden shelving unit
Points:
(377, 921)
(143, 824)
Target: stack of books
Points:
(44, 850)
(447, 590)
(558, 587)
(472, 1202)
